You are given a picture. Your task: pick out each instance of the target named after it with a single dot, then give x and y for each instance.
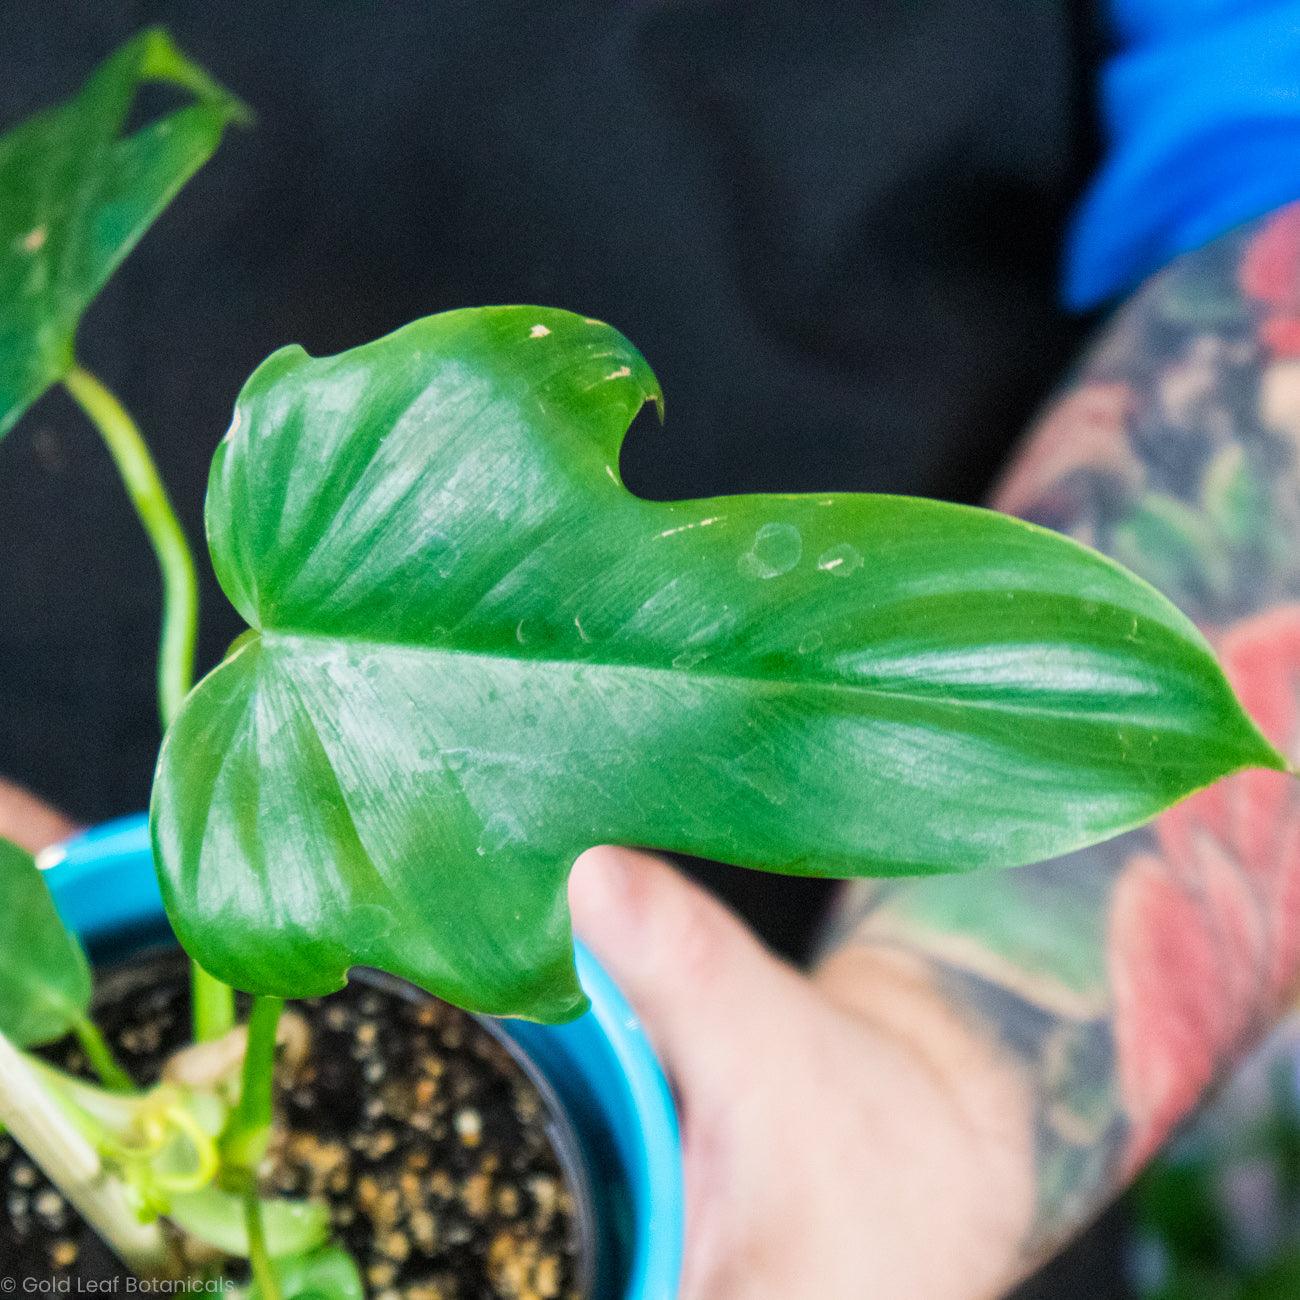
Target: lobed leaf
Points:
(76, 195)
(474, 654)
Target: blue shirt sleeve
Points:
(1201, 113)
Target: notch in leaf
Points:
(474, 654)
(76, 195)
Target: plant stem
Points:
(214, 1009)
(212, 1005)
(246, 1138)
(100, 1055)
(145, 488)
(258, 1257)
(67, 1158)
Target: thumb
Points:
(698, 979)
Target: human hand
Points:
(846, 1134)
(29, 822)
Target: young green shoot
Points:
(59, 1147)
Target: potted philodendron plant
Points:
(472, 653)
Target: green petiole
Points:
(259, 1258)
(100, 1055)
(213, 1002)
(149, 497)
(212, 1005)
(249, 1131)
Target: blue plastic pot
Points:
(601, 1067)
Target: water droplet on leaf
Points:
(443, 553)
(840, 560)
(776, 550)
(501, 829)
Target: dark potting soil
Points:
(407, 1117)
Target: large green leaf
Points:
(44, 978)
(76, 195)
(476, 654)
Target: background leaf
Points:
(76, 196)
(45, 982)
(476, 654)
(218, 1218)
(326, 1274)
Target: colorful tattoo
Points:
(1126, 978)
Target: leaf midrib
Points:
(853, 689)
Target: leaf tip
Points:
(161, 59)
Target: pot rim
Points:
(623, 1076)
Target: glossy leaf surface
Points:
(45, 982)
(76, 195)
(476, 654)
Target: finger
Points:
(28, 822)
(698, 979)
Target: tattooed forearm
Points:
(1124, 979)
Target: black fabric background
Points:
(833, 228)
